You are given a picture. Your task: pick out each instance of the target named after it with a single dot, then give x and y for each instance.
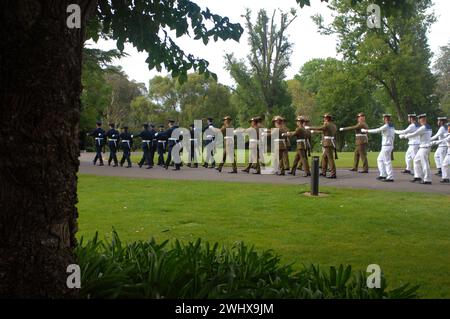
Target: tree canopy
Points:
(149, 26)
(396, 56)
(261, 88)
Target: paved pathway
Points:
(345, 177)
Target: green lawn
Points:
(345, 159)
(407, 234)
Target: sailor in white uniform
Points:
(422, 171)
(446, 163)
(441, 150)
(413, 143)
(384, 159)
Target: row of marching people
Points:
(420, 141)
(418, 133)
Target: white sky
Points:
(308, 43)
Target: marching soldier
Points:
(384, 159)
(441, 150)
(99, 136)
(308, 136)
(171, 142)
(253, 146)
(422, 170)
(308, 141)
(126, 141)
(328, 130)
(147, 139)
(288, 147)
(153, 144)
(113, 137)
(161, 144)
(228, 145)
(446, 163)
(209, 139)
(413, 142)
(262, 145)
(193, 156)
(282, 144)
(361, 142)
(301, 155)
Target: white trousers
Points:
(422, 165)
(409, 156)
(439, 156)
(446, 166)
(385, 163)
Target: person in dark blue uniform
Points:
(113, 139)
(153, 144)
(171, 142)
(161, 141)
(147, 139)
(99, 136)
(209, 139)
(126, 142)
(193, 160)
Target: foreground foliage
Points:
(195, 270)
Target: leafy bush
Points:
(195, 270)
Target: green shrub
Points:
(195, 270)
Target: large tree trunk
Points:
(39, 114)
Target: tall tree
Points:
(41, 61)
(123, 91)
(96, 92)
(269, 57)
(303, 101)
(442, 70)
(340, 89)
(143, 110)
(196, 98)
(396, 55)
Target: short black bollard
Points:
(315, 176)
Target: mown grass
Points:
(407, 234)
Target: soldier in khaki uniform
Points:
(301, 156)
(228, 145)
(281, 141)
(361, 142)
(308, 140)
(328, 130)
(288, 147)
(253, 145)
(262, 146)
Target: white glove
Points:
(341, 129)
(284, 134)
(131, 135)
(307, 127)
(363, 130)
(402, 136)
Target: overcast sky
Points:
(308, 43)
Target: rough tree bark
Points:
(39, 114)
